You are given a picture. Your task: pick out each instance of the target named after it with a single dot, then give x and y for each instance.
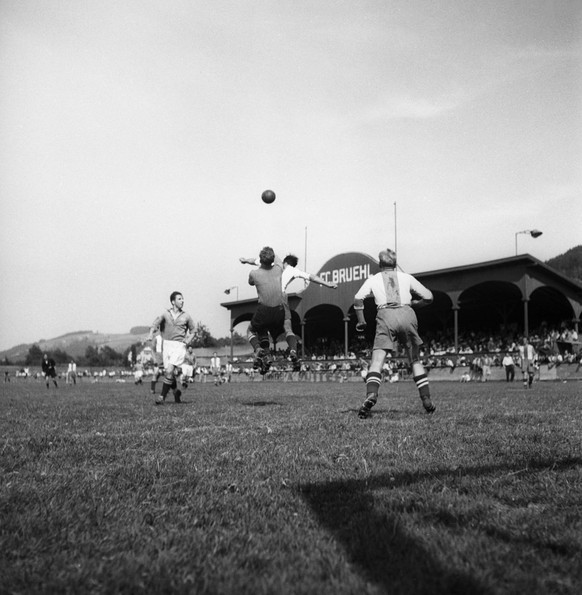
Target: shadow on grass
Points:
(391, 414)
(259, 403)
(377, 542)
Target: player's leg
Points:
(383, 343)
(258, 336)
(420, 378)
(168, 380)
(291, 339)
(158, 371)
(524, 372)
(373, 381)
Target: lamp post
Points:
(534, 233)
(227, 291)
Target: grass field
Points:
(280, 488)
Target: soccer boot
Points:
(427, 404)
(159, 400)
(258, 361)
(363, 413)
(177, 396)
(266, 362)
(294, 361)
(365, 409)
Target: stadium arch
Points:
(516, 293)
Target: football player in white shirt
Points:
(396, 294)
(527, 356)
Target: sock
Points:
(422, 384)
(254, 341)
(292, 342)
(373, 381)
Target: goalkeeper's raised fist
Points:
(361, 327)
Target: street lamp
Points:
(534, 233)
(227, 291)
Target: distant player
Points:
(188, 367)
(177, 329)
(157, 362)
(71, 377)
(396, 295)
(215, 366)
(527, 355)
(49, 371)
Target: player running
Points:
(396, 294)
(49, 371)
(177, 330)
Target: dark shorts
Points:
(396, 325)
(268, 320)
(50, 373)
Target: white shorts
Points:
(188, 370)
(174, 353)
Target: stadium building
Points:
(513, 294)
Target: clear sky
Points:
(136, 137)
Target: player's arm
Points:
(359, 298)
(253, 261)
(421, 296)
(320, 281)
(190, 333)
(154, 327)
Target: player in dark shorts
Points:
(289, 273)
(49, 370)
(269, 317)
(396, 294)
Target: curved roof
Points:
(349, 270)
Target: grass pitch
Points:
(279, 488)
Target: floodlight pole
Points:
(395, 233)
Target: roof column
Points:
(346, 346)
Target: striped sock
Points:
(422, 385)
(373, 381)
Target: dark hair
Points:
(267, 256)
(173, 295)
(291, 260)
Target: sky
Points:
(136, 138)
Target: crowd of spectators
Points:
(553, 346)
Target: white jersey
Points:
(290, 273)
(391, 289)
(528, 353)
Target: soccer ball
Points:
(268, 196)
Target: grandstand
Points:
(500, 300)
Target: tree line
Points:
(104, 356)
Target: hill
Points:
(569, 263)
(76, 343)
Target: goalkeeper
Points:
(396, 294)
